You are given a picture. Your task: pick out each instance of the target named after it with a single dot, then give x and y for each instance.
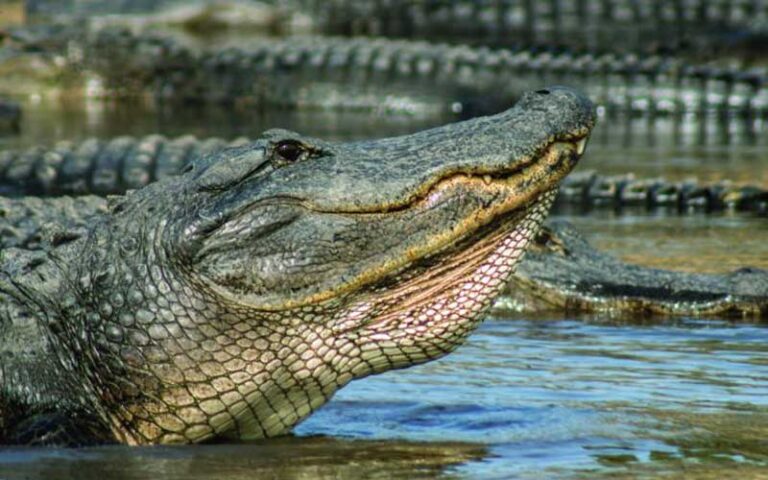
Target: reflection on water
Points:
(709, 148)
(697, 242)
(558, 398)
(689, 131)
(49, 121)
(284, 458)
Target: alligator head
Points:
(235, 299)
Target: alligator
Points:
(232, 300)
(398, 76)
(562, 272)
(101, 167)
(696, 25)
(627, 24)
(589, 190)
(113, 166)
(465, 78)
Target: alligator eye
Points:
(290, 150)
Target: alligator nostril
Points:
(543, 91)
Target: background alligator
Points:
(365, 74)
(233, 300)
(624, 24)
(562, 272)
(112, 166)
(652, 82)
(700, 24)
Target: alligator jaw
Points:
(442, 296)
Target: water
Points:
(709, 148)
(525, 398)
(694, 242)
(48, 120)
(574, 396)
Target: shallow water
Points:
(525, 398)
(48, 120)
(570, 396)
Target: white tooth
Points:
(581, 146)
(487, 179)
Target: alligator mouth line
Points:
(537, 166)
(535, 169)
(515, 186)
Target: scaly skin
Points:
(562, 272)
(113, 166)
(233, 300)
(588, 189)
(100, 167)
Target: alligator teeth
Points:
(487, 179)
(581, 145)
